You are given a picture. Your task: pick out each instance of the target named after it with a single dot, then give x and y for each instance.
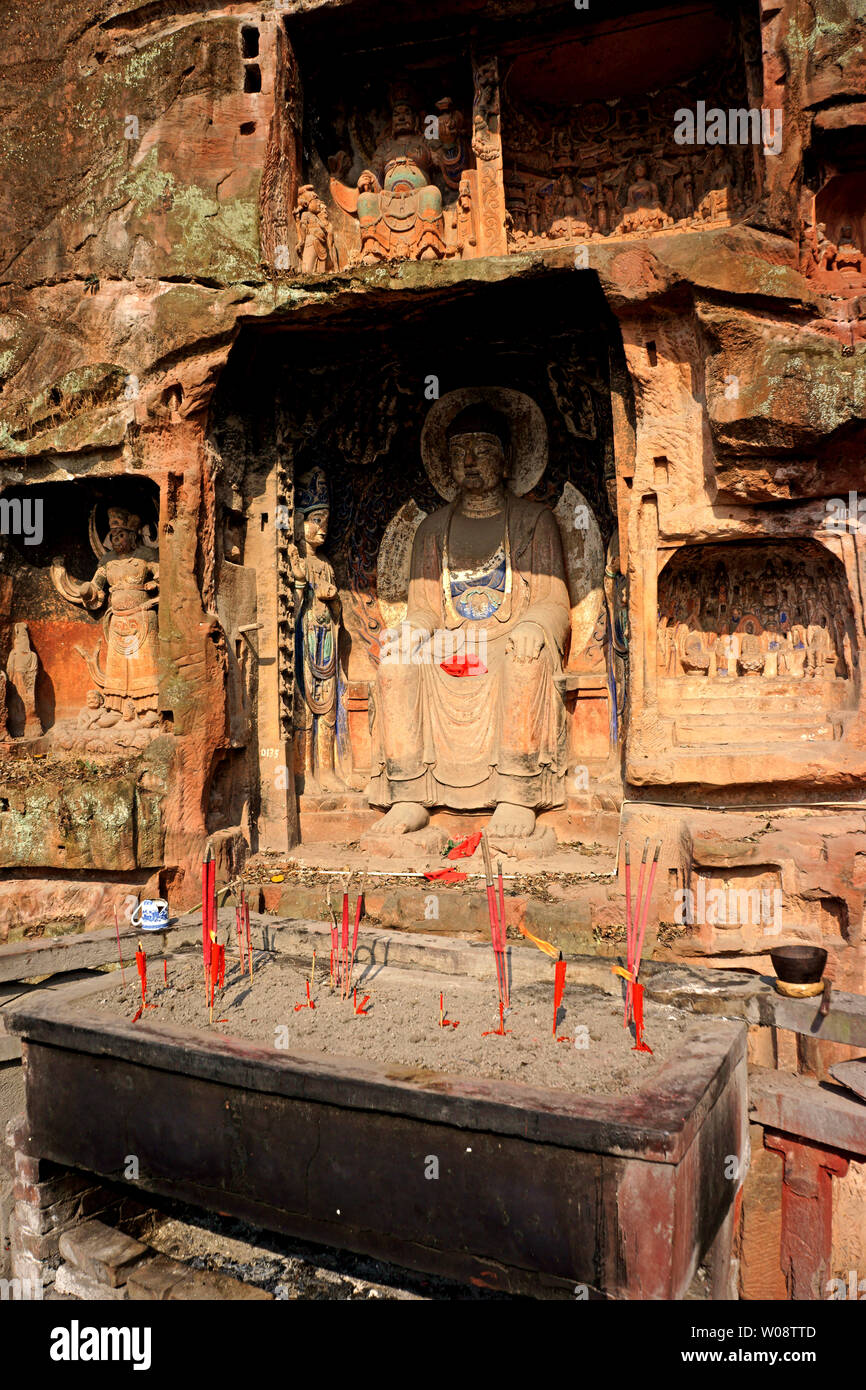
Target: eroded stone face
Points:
(685, 312)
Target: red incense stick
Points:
(558, 989)
(502, 935)
(344, 937)
(332, 976)
(240, 937)
(119, 952)
(494, 922)
(141, 962)
(649, 891)
(245, 907)
(208, 872)
(359, 907)
(636, 918)
(629, 948)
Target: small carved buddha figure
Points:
(22, 669)
(683, 193)
(570, 218)
(487, 571)
(643, 211)
(317, 629)
(820, 649)
(600, 200)
(795, 653)
(720, 199)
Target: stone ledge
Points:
(809, 1109)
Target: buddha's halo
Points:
(528, 451)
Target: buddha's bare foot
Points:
(330, 781)
(510, 822)
(402, 819)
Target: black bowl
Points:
(799, 965)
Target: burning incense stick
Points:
(491, 908)
(245, 908)
(344, 938)
(359, 906)
(441, 1010)
(501, 1031)
(643, 922)
(240, 937)
(208, 879)
(502, 936)
(119, 952)
(332, 978)
(635, 920)
(141, 962)
(629, 948)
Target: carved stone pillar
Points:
(487, 146)
(807, 1212)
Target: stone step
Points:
(100, 1252)
(750, 728)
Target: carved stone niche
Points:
(764, 627)
(78, 621)
(590, 129)
(833, 248)
(390, 171)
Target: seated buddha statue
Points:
(488, 571)
(643, 211)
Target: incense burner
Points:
(540, 1192)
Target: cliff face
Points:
(166, 348)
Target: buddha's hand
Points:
(418, 639)
(526, 642)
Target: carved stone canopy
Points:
(528, 452)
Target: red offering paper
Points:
(466, 848)
(637, 1002)
(446, 876)
(468, 665)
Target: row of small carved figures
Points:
(547, 207)
(801, 651)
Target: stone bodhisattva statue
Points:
(22, 669)
(487, 577)
(127, 583)
(317, 631)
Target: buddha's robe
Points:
(469, 742)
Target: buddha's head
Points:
(478, 448)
